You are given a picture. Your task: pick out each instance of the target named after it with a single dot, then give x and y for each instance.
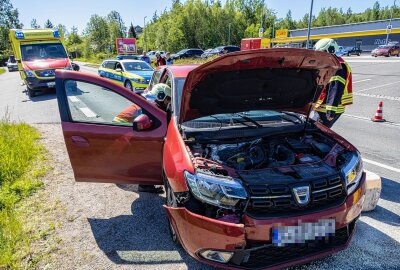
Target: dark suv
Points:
(352, 51)
(188, 53)
(221, 50)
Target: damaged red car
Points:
(251, 181)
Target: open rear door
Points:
(97, 121)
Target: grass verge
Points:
(22, 164)
(2, 70)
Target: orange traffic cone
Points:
(379, 114)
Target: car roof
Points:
(179, 71)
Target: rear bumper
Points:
(251, 240)
(38, 84)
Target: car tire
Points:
(31, 92)
(128, 85)
(359, 54)
(170, 200)
(348, 54)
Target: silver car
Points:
(12, 64)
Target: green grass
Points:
(22, 164)
(2, 70)
(198, 61)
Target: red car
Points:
(390, 49)
(251, 181)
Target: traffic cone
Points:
(379, 114)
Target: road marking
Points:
(88, 112)
(381, 165)
(362, 81)
(73, 99)
(377, 96)
(375, 87)
(369, 119)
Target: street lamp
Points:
(309, 25)
(144, 30)
(389, 27)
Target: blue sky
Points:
(78, 12)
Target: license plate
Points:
(302, 233)
(51, 84)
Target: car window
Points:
(31, 52)
(110, 65)
(90, 103)
(197, 52)
(155, 79)
(233, 49)
(166, 79)
(118, 66)
(137, 66)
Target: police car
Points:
(133, 74)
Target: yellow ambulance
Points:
(38, 53)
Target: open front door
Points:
(97, 121)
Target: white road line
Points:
(73, 99)
(88, 112)
(362, 80)
(377, 96)
(375, 87)
(381, 165)
(369, 119)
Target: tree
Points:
(98, 34)
(9, 18)
(132, 32)
(48, 24)
(63, 30)
(34, 24)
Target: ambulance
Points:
(38, 52)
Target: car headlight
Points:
(29, 73)
(219, 191)
(138, 80)
(353, 172)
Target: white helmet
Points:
(326, 45)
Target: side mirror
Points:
(118, 70)
(142, 122)
(70, 56)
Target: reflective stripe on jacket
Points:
(339, 91)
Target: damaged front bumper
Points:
(251, 242)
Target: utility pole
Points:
(309, 25)
(229, 34)
(144, 30)
(389, 27)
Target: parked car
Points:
(251, 181)
(352, 51)
(128, 56)
(387, 50)
(152, 54)
(188, 53)
(223, 50)
(132, 74)
(206, 52)
(12, 64)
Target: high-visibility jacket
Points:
(128, 114)
(339, 91)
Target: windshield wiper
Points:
(290, 119)
(249, 120)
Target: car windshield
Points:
(349, 48)
(11, 59)
(384, 47)
(179, 82)
(137, 66)
(255, 119)
(39, 51)
(127, 57)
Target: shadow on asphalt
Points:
(43, 95)
(390, 190)
(141, 238)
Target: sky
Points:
(77, 12)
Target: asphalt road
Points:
(377, 240)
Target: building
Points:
(366, 35)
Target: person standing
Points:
(160, 61)
(338, 93)
(145, 57)
(168, 59)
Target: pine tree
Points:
(48, 24)
(132, 32)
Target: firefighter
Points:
(338, 93)
(161, 94)
(128, 114)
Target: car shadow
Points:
(390, 190)
(141, 238)
(43, 95)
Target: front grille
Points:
(45, 73)
(272, 255)
(278, 199)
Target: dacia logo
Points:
(302, 194)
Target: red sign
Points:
(126, 45)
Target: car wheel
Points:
(170, 200)
(128, 85)
(398, 54)
(31, 92)
(348, 54)
(359, 54)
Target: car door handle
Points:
(80, 141)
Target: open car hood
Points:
(282, 79)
